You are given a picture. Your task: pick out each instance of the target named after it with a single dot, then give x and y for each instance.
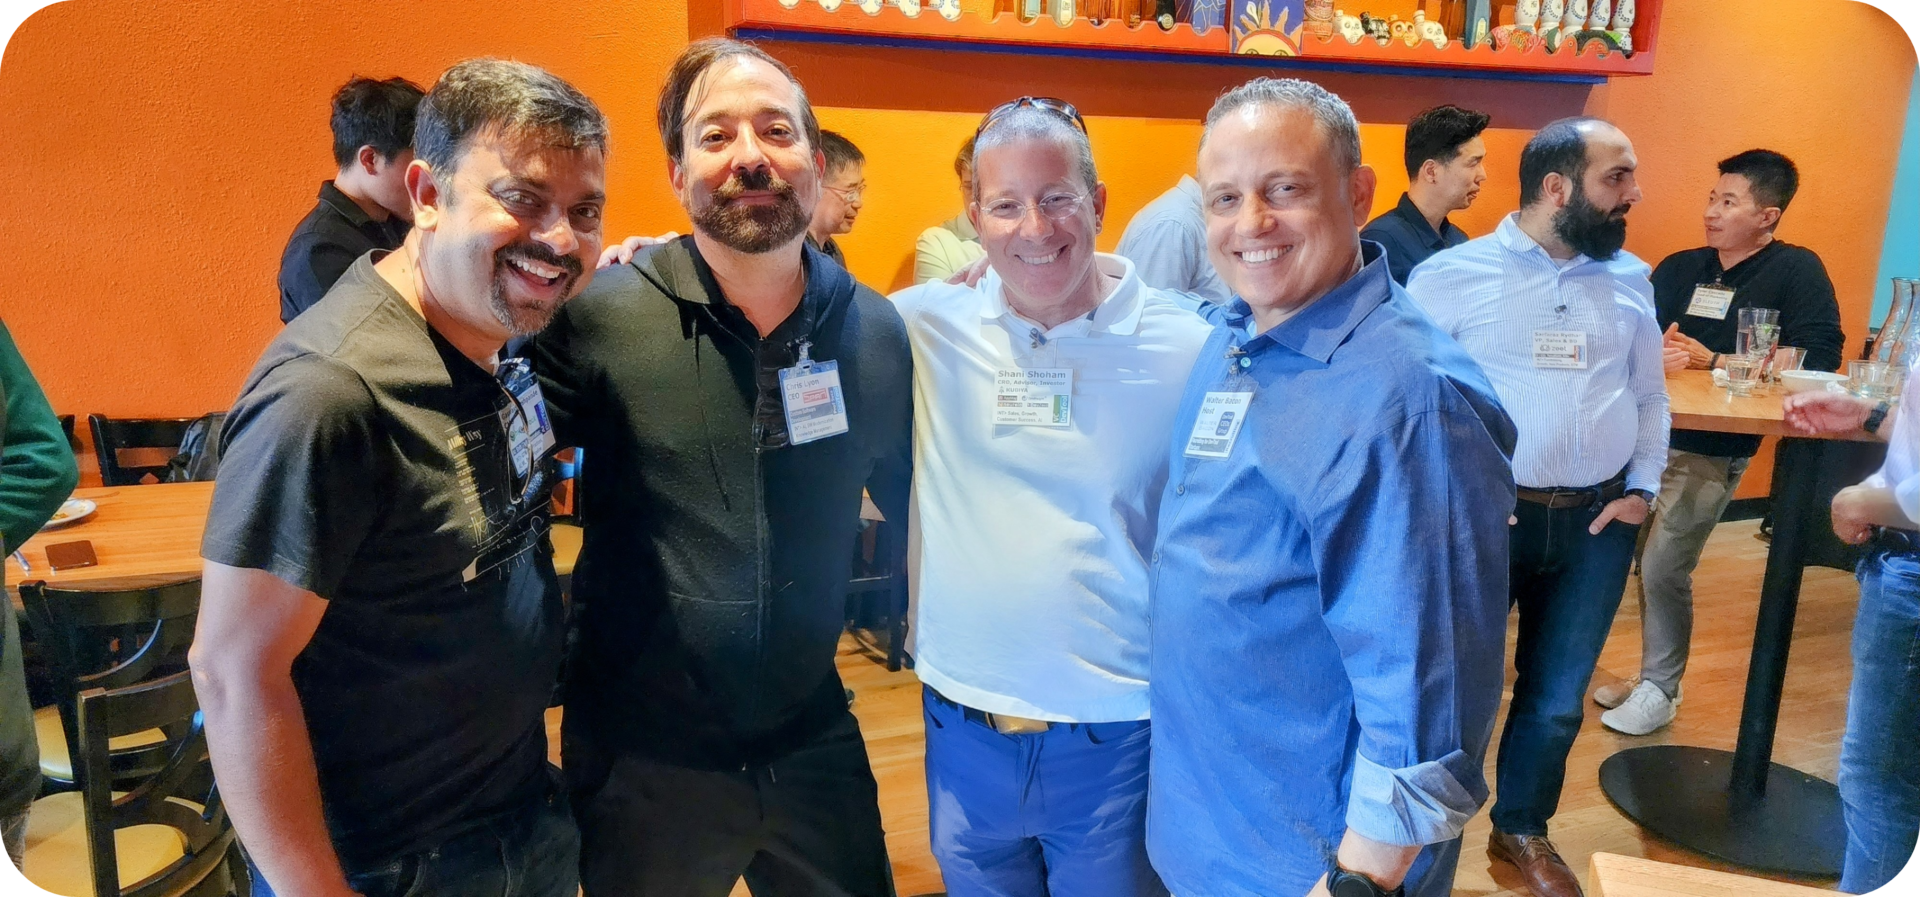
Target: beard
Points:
(747, 228)
(1591, 231)
(527, 319)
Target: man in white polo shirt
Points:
(1044, 400)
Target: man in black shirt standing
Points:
(1445, 166)
(734, 390)
(365, 206)
(380, 624)
(1699, 294)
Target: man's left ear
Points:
(1364, 183)
(423, 191)
(1099, 206)
(1770, 218)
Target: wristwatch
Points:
(1341, 883)
(1644, 495)
(1876, 417)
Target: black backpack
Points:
(199, 457)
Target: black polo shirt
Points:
(1780, 276)
(1409, 238)
(325, 244)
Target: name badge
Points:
(1033, 397)
(1221, 416)
(529, 430)
(1710, 301)
(1560, 349)
(815, 407)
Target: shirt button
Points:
(1180, 489)
(1156, 557)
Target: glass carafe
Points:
(1890, 344)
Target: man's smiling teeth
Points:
(536, 269)
(1040, 259)
(1257, 256)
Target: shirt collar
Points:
(1412, 215)
(1118, 314)
(1324, 325)
(344, 204)
(962, 227)
(1517, 241)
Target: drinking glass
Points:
(1759, 332)
(1743, 371)
(1875, 381)
(1785, 358)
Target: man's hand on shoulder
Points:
(970, 275)
(622, 252)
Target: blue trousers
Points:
(1061, 813)
(531, 852)
(1567, 584)
(1879, 767)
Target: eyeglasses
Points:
(1061, 108)
(1053, 206)
(847, 194)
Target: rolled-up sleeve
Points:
(1420, 618)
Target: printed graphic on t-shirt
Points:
(506, 509)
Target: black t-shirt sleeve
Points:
(299, 484)
(309, 272)
(1813, 323)
(1670, 293)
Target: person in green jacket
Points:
(37, 473)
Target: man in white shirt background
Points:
(1167, 243)
(1044, 400)
(1555, 313)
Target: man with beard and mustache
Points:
(1574, 353)
(734, 391)
(380, 624)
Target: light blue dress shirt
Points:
(1330, 599)
(1167, 243)
(1577, 427)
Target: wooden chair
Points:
(106, 639)
(155, 437)
(165, 836)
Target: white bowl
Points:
(1809, 381)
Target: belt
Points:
(1560, 497)
(998, 722)
(1898, 541)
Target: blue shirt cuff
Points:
(1417, 805)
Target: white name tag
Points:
(1710, 301)
(1561, 349)
(1033, 397)
(530, 432)
(815, 407)
(1221, 416)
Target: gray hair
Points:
(512, 99)
(1334, 115)
(1031, 123)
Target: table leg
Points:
(1742, 808)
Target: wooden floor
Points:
(1727, 586)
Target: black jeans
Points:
(806, 824)
(531, 852)
(1567, 584)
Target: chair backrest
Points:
(179, 794)
(113, 436)
(111, 639)
(66, 429)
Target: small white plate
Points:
(72, 511)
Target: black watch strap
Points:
(1644, 495)
(1341, 883)
(1876, 417)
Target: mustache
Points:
(757, 180)
(536, 252)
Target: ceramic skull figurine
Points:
(1350, 28)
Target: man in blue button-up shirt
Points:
(1545, 305)
(1330, 582)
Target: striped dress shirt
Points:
(1577, 427)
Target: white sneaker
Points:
(1647, 709)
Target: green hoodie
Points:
(37, 473)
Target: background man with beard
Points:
(1576, 359)
(707, 733)
(380, 624)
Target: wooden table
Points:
(1741, 807)
(146, 535)
(1613, 875)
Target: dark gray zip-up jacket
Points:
(714, 573)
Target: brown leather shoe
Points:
(1545, 872)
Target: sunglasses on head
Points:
(1058, 107)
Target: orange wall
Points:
(158, 154)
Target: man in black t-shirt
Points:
(365, 206)
(380, 625)
(1698, 295)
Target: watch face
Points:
(1348, 884)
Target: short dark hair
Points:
(1438, 133)
(513, 99)
(694, 62)
(963, 163)
(373, 113)
(1558, 148)
(1773, 177)
(840, 152)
